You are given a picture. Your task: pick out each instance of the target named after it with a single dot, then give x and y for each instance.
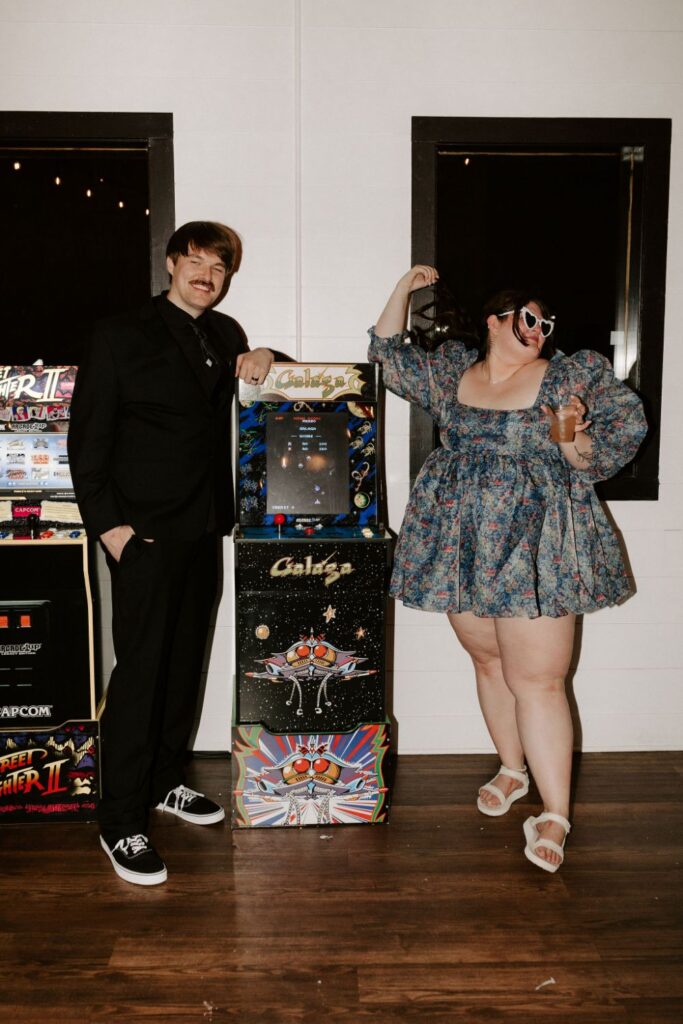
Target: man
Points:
(149, 449)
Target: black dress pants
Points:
(162, 596)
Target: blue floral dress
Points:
(499, 523)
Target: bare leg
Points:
(535, 656)
(497, 702)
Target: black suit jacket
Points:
(149, 445)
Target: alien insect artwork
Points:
(307, 779)
(310, 653)
(313, 660)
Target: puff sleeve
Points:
(429, 379)
(618, 420)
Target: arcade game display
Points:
(48, 725)
(310, 728)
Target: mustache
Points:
(207, 284)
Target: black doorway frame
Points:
(651, 140)
(153, 132)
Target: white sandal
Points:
(534, 840)
(505, 801)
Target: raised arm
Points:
(429, 379)
(394, 316)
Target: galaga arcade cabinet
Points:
(48, 726)
(310, 737)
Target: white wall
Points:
(292, 122)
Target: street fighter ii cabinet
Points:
(310, 736)
(48, 725)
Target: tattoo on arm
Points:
(583, 456)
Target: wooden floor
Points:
(436, 918)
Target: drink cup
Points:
(562, 423)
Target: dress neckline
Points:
(523, 408)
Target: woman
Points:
(503, 530)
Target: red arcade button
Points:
(25, 621)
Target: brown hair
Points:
(208, 235)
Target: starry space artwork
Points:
(313, 659)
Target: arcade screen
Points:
(35, 461)
(307, 463)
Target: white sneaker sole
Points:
(194, 819)
(136, 877)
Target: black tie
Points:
(208, 354)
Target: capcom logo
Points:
(26, 711)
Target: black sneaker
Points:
(135, 859)
(191, 806)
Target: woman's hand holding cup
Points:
(566, 419)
